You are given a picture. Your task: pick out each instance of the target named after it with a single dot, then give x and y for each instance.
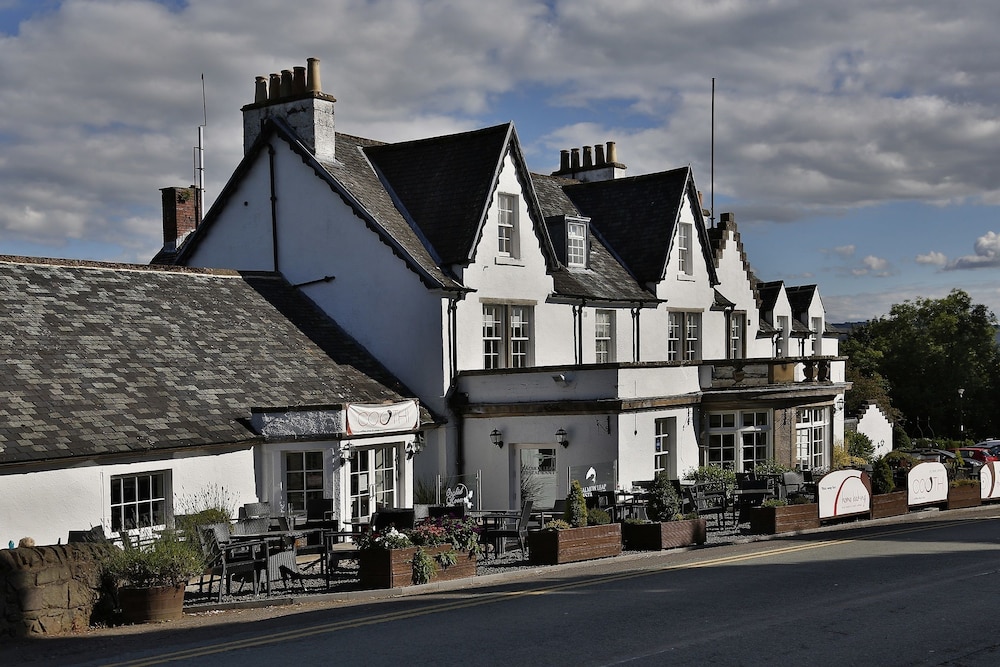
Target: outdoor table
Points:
(495, 519)
(281, 552)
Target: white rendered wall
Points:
(734, 284)
(46, 505)
(873, 423)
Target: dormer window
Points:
(576, 244)
(507, 226)
(685, 260)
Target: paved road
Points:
(922, 591)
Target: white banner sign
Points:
(843, 493)
(989, 485)
(363, 418)
(927, 482)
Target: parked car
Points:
(981, 454)
(946, 457)
(993, 445)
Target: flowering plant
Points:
(389, 538)
(461, 533)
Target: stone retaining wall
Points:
(48, 590)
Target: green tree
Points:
(918, 357)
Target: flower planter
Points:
(151, 605)
(889, 504)
(663, 534)
(552, 547)
(393, 568)
(963, 496)
(784, 519)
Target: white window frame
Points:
(685, 254)
(738, 440)
(817, 339)
(136, 502)
(604, 336)
(576, 244)
(507, 227)
(781, 342)
(508, 336)
(812, 435)
(373, 480)
(305, 480)
(737, 334)
(683, 336)
(664, 440)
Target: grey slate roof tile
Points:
(100, 358)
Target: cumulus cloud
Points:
(933, 258)
(820, 107)
(987, 249)
(873, 266)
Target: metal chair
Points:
(706, 500)
(228, 560)
(518, 529)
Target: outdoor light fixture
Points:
(416, 446)
(561, 438)
(346, 454)
(496, 437)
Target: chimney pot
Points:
(564, 160)
(286, 83)
(299, 80)
(575, 158)
(274, 87)
(612, 153)
(313, 84)
(588, 157)
(599, 155)
(260, 89)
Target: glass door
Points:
(536, 475)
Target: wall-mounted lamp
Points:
(496, 437)
(346, 454)
(561, 437)
(562, 379)
(838, 404)
(416, 446)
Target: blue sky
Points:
(855, 142)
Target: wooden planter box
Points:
(393, 568)
(889, 504)
(963, 496)
(663, 534)
(151, 605)
(785, 519)
(552, 547)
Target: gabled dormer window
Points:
(507, 226)
(576, 244)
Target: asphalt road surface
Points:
(918, 591)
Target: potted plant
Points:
(886, 501)
(149, 583)
(570, 539)
(666, 528)
(779, 516)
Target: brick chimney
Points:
(180, 215)
(597, 165)
(295, 96)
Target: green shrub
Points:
(882, 481)
(897, 458)
(663, 503)
(557, 524)
(168, 561)
(770, 467)
(715, 475)
(774, 502)
(597, 517)
(859, 445)
(576, 506)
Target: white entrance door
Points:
(536, 475)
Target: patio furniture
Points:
(401, 518)
(243, 560)
(750, 492)
(705, 499)
(255, 511)
(501, 526)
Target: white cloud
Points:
(933, 258)
(873, 266)
(987, 249)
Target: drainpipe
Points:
(274, 207)
(635, 334)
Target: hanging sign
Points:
(363, 418)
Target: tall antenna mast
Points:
(199, 160)
(712, 196)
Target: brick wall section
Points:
(180, 215)
(48, 590)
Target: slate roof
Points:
(101, 359)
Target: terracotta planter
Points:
(889, 504)
(552, 547)
(784, 519)
(151, 605)
(963, 496)
(663, 534)
(393, 568)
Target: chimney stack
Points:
(600, 163)
(294, 96)
(180, 215)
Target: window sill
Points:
(509, 261)
(685, 277)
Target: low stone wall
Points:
(48, 590)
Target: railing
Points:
(763, 372)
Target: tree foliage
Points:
(914, 361)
